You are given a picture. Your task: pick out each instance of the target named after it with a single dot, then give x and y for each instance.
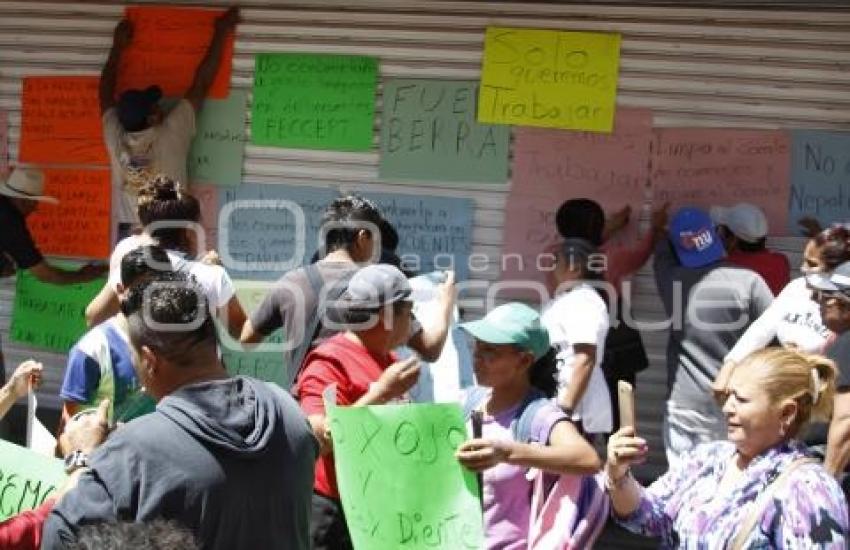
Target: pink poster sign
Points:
(551, 166)
(722, 167)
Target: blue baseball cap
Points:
(694, 239)
(134, 106)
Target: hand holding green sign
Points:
(26, 479)
(429, 500)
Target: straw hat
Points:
(26, 183)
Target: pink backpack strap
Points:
(570, 516)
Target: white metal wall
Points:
(691, 66)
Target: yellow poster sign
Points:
(553, 79)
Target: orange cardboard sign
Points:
(61, 121)
(167, 47)
(79, 225)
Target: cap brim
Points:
(6, 191)
(486, 332)
(711, 255)
(821, 281)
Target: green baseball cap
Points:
(512, 323)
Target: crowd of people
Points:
(165, 449)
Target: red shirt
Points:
(352, 368)
(773, 267)
(23, 532)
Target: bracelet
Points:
(619, 483)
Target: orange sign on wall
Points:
(61, 121)
(78, 226)
(167, 47)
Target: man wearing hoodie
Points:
(232, 459)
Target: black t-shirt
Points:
(16, 243)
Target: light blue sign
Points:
(267, 230)
(820, 177)
(435, 233)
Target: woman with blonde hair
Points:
(759, 489)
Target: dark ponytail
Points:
(834, 246)
(543, 374)
(164, 200)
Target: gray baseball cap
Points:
(375, 286)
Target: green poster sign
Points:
(263, 360)
(429, 132)
(219, 144)
(314, 101)
(26, 479)
(50, 316)
(400, 483)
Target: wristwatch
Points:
(75, 460)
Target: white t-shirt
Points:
(579, 316)
(793, 318)
(160, 149)
(213, 279)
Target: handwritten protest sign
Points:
(429, 132)
(79, 225)
(207, 196)
(50, 316)
(61, 121)
(26, 479)
(430, 501)
(435, 233)
(551, 166)
(820, 177)
(553, 79)
(168, 45)
(219, 144)
(4, 142)
(266, 230)
(707, 167)
(265, 360)
(314, 101)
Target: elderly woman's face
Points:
(754, 424)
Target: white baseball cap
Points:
(26, 183)
(745, 220)
(837, 280)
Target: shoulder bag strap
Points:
(763, 500)
(315, 278)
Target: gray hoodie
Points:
(231, 459)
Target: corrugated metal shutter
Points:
(691, 66)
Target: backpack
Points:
(625, 354)
(568, 512)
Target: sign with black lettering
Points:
(26, 479)
(219, 143)
(429, 502)
(820, 177)
(553, 79)
(314, 101)
(429, 132)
